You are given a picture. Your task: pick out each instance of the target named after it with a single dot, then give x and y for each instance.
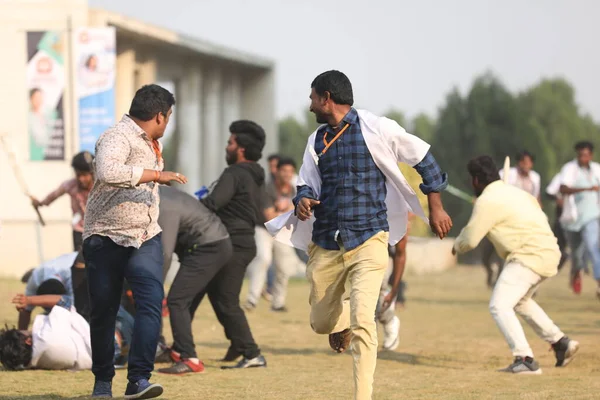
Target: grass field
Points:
(450, 349)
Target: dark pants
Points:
(224, 295)
(107, 264)
(198, 268)
(77, 240)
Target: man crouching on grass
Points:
(518, 228)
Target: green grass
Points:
(450, 349)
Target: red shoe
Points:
(175, 356)
(183, 367)
(577, 283)
(165, 309)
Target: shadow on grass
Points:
(449, 302)
(412, 359)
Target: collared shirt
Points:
(587, 202)
(118, 206)
(353, 188)
(58, 268)
(514, 222)
(78, 197)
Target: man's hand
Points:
(440, 222)
(304, 208)
(35, 202)
(166, 177)
(20, 302)
(387, 301)
(595, 188)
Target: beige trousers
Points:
(332, 311)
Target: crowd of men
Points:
(348, 209)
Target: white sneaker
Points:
(391, 334)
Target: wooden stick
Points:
(12, 159)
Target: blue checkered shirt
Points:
(353, 189)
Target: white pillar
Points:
(189, 109)
(124, 82)
(213, 132)
(232, 105)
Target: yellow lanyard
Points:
(328, 144)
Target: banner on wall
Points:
(95, 58)
(45, 89)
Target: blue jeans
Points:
(107, 265)
(589, 236)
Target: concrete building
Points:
(213, 86)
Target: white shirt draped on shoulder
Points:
(389, 144)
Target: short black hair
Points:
(51, 286)
(283, 161)
(33, 91)
(337, 84)
(150, 100)
(250, 136)
(15, 353)
(484, 169)
(584, 144)
(27, 275)
(273, 157)
(83, 161)
(524, 153)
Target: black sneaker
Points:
(565, 350)
(525, 366)
(256, 362)
(279, 309)
(142, 389)
(102, 389)
(231, 355)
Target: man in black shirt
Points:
(237, 199)
(202, 244)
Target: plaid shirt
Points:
(353, 188)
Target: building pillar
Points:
(232, 104)
(213, 145)
(124, 81)
(189, 111)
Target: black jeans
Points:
(77, 240)
(198, 267)
(224, 295)
(107, 264)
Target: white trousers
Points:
(512, 293)
(286, 261)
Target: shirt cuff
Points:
(136, 175)
(435, 188)
(65, 302)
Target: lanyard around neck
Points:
(336, 137)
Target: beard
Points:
(231, 158)
(321, 118)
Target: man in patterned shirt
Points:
(351, 231)
(121, 239)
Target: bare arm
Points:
(24, 319)
(569, 190)
(399, 263)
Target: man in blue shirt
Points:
(351, 231)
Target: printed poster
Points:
(95, 64)
(45, 89)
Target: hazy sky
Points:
(397, 53)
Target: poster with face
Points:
(95, 65)
(45, 90)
